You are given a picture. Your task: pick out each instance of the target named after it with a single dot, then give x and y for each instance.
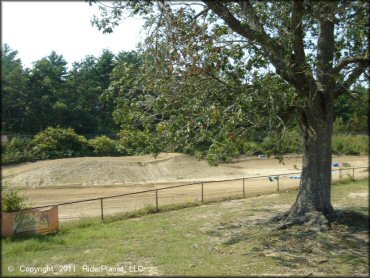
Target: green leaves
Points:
(103, 146)
(14, 83)
(50, 95)
(59, 142)
(199, 87)
(11, 200)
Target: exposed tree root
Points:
(317, 220)
(321, 222)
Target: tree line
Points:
(49, 94)
(95, 95)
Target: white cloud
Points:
(35, 29)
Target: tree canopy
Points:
(216, 71)
(247, 67)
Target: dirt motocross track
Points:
(71, 179)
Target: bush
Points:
(350, 144)
(134, 142)
(288, 142)
(103, 146)
(11, 201)
(222, 151)
(251, 148)
(18, 150)
(58, 143)
(292, 142)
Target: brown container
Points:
(30, 221)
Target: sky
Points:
(35, 28)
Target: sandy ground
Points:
(64, 180)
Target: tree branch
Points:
(199, 14)
(325, 47)
(298, 46)
(298, 59)
(218, 79)
(251, 14)
(269, 46)
(245, 30)
(352, 78)
(351, 60)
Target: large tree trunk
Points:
(315, 189)
(313, 202)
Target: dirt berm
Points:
(140, 170)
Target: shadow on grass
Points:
(351, 219)
(345, 240)
(291, 262)
(38, 237)
(236, 239)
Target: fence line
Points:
(272, 177)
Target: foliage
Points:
(289, 142)
(59, 142)
(14, 89)
(103, 146)
(18, 150)
(205, 88)
(214, 71)
(50, 95)
(352, 112)
(135, 142)
(85, 97)
(11, 200)
(351, 144)
(46, 101)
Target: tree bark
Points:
(315, 189)
(314, 196)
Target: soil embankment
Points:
(140, 170)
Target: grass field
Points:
(224, 238)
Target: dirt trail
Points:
(63, 180)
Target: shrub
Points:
(339, 126)
(356, 124)
(59, 142)
(103, 146)
(251, 148)
(292, 142)
(11, 200)
(133, 142)
(350, 144)
(18, 150)
(222, 151)
(288, 142)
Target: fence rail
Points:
(241, 191)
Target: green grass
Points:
(221, 238)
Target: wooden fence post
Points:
(353, 173)
(156, 200)
(243, 187)
(202, 194)
(101, 209)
